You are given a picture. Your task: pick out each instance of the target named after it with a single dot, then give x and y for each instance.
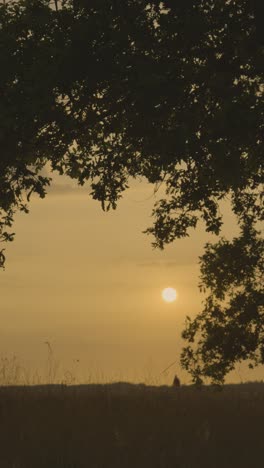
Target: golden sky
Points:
(90, 283)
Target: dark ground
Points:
(124, 425)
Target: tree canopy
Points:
(172, 91)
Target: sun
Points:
(169, 294)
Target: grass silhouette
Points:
(128, 425)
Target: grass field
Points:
(123, 425)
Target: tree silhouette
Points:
(172, 91)
(230, 328)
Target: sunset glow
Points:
(169, 294)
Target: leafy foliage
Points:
(231, 326)
(171, 91)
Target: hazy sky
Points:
(90, 283)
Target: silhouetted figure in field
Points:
(176, 382)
